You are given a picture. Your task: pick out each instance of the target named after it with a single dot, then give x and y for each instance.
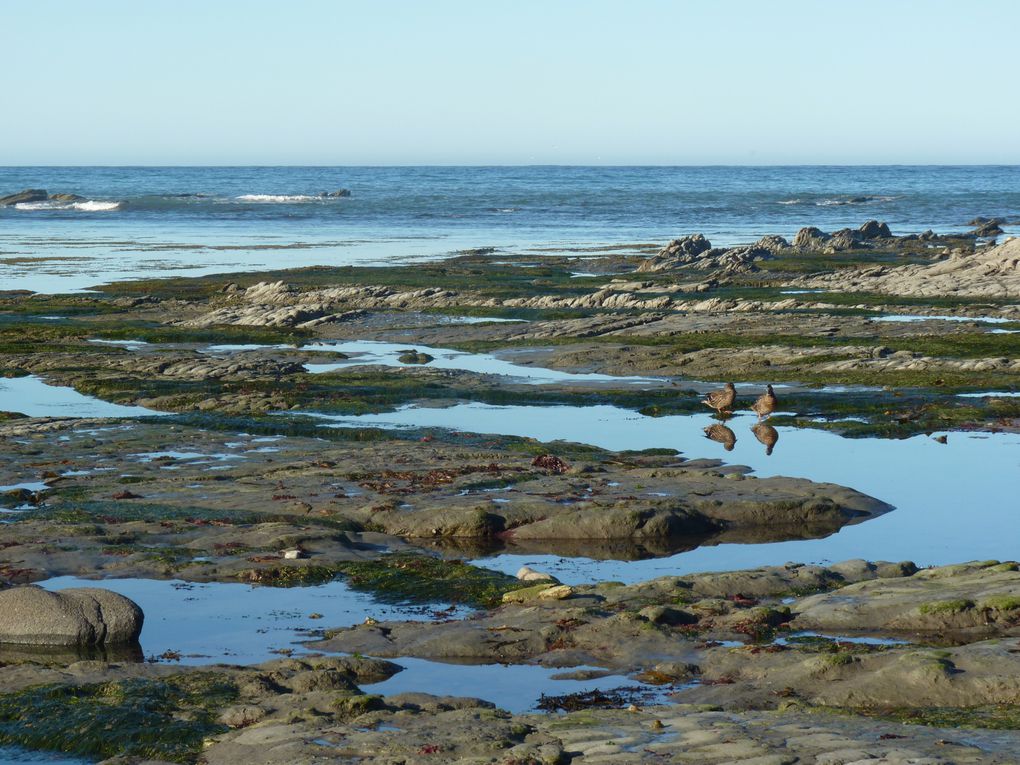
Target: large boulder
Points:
(28, 195)
(810, 238)
(83, 616)
(874, 230)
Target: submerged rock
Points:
(28, 195)
(85, 616)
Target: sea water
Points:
(136, 222)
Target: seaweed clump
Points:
(164, 719)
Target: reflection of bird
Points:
(766, 403)
(721, 434)
(766, 434)
(721, 400)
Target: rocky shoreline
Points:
(252, 455)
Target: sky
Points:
(393, 82)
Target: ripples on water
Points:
(152, 221)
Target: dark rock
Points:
(66, 198)
(83, 616)
(412, 356)
(28, 195)
(988, 228)
(874, 230)
(336, 194)
(551, 463)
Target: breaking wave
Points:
(838, 201)
(279, 198)
(89, 205)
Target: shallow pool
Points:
(35, 398)
(955, 501)
(240, 623)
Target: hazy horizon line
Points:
(524, 165)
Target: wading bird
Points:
(721, 400)
(766, 403)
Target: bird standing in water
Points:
(766, 403)
(721, 400)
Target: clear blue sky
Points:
(517, 81)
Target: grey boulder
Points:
(84, 616)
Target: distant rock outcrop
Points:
(811, 239)
(695, 251)
(988, 227)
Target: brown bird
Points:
(721, 434)
(766, 403)
(766, 434)
(721, 400)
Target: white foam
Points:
(89, 205)
(278, 198)
(92, 205)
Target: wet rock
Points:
(414, 357)
(338, 194)
(66, 198)
(85, 616)
(28, 195)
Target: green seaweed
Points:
(165, 719)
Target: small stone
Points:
(557, 592)
(528, 574)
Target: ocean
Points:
(143, 222)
